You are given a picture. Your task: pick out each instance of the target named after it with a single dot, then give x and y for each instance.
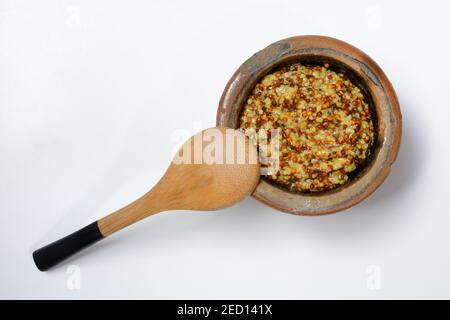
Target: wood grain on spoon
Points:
(190, 186)
(214, 169)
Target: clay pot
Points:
(362, 71)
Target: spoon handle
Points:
(213, 183)
(54, 253)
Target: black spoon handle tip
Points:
(54, 253)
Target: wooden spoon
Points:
(214, 169)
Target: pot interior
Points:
(356, 79)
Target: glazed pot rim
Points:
(384, 102)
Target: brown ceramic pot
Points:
(364, 72)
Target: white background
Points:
(95, 95)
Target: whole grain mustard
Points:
(325, 122)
